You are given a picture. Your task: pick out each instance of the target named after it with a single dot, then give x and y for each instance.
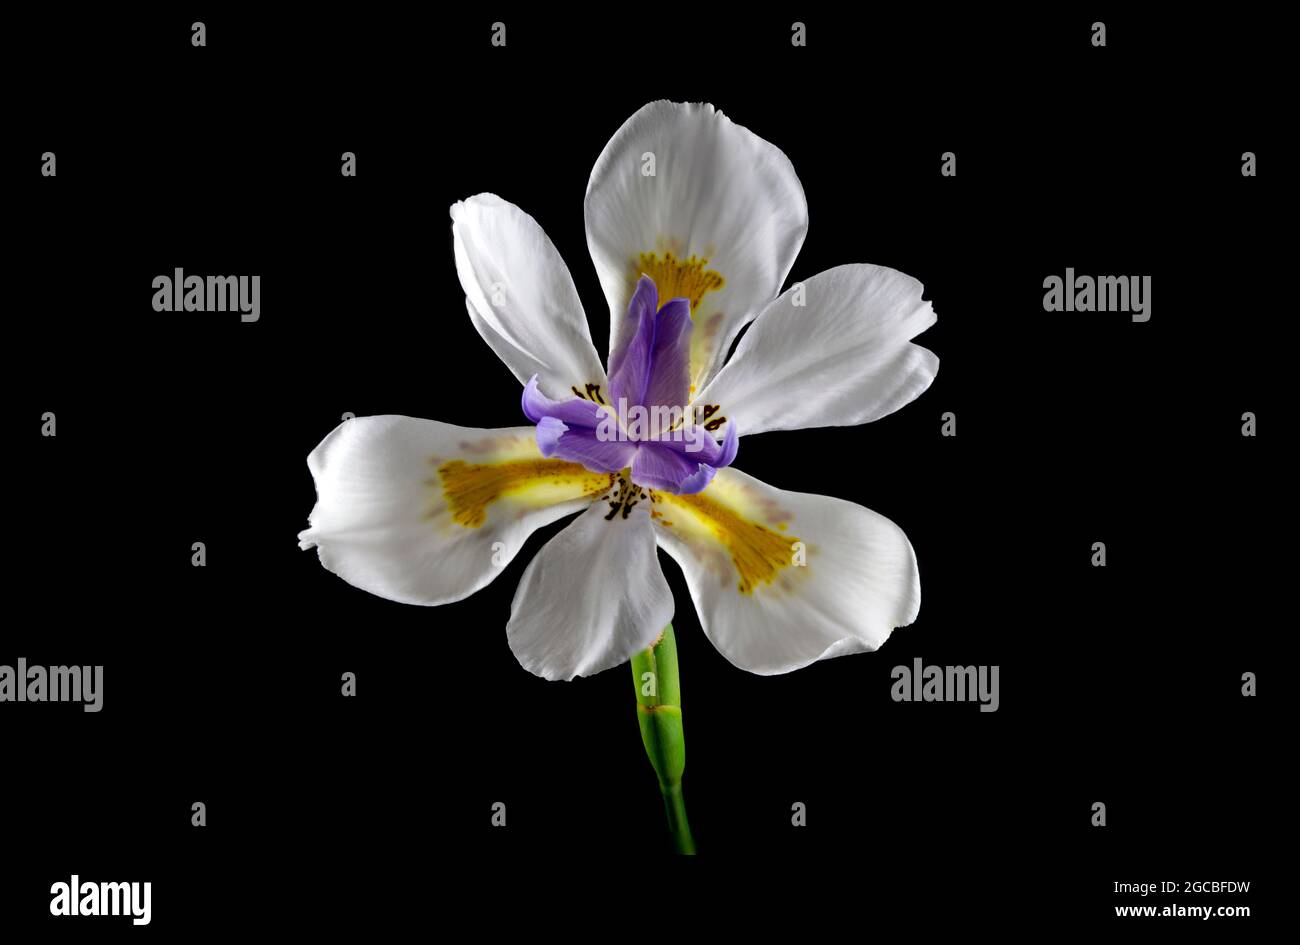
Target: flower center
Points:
(643, 425)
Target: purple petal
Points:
(581, 445)
(658, 467)
(629, 367)
(730, 446)
(697, 482)
(670, 362)
(697, 444)
(574, 412)
(548, 433)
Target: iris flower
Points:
(693, 223)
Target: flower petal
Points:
(670, 365)
(630, 364)
(719, 221)
(842, 357)
(694, 442)
(583, 445)
(658, 467)
(783, 579)
(521, 297)
(573, 411)
(653, 366)
(424, 512)
(591, 598)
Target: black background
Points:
(221, 683)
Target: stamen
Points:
(592, 393)
(707, 411)
(679, 279)
(626, 495)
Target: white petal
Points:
(739, 544)
(424, 512)
(842, 357)
(591, 598)
(719, 193)
(521, 297)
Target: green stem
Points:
(659, 712)
(675, 808)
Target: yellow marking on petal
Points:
(469, 488)
(678, 278)
(758, 553)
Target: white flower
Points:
(427, 513)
